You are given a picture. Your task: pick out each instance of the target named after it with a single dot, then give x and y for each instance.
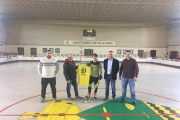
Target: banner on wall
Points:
(89, 38)
(69, 42)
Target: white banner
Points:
(89, 38)
(69, 42)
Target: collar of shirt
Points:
(110, 60)
(48, 58)
(129, 58)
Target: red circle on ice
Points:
(106, 114)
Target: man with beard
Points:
(48, 68)
(129, 70)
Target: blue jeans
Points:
(74, 83)
(113, 82)
(131, 82)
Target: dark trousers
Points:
(68, 88)
(95, 81)
(44, 83)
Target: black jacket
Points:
(115, 68)
(69, 70)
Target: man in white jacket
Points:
(48, 68)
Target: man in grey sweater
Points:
(48, 68)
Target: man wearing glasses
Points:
(69, 71)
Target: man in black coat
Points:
(69, 70)
(111, 68)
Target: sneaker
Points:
(114, 100)
(134, 103)
(70, 98)
(88, 95)
(42, 100)
(105, 99)
(79, 97)
(122, 100)
(95, 96)
(54, 99)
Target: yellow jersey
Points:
(84, 73)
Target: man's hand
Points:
(88, 64)
(68, 81)
(100, 76)
(119, 77)
(135, 79)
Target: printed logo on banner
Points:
(89, 42)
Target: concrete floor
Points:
(20, 80)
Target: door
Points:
(88, 51)
(173, 54)
(153, 53)
(141, 53)
(33, 51)
(20, 51)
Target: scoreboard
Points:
(89, 33)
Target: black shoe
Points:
(94, 98)
(87, 97)
(122, 100)
(114, 100)
(134, 103)
(105, 99)
(42, 100)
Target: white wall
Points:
(2, 48)
(173, 37)
(3, 31)
(48, 34)
(3, 35)
(29, 34)
(173, 34)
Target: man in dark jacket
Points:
(130, 70)
(111, 68)
(69, 70)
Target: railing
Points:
(6, 57)
(165, 61)
(62, 57)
